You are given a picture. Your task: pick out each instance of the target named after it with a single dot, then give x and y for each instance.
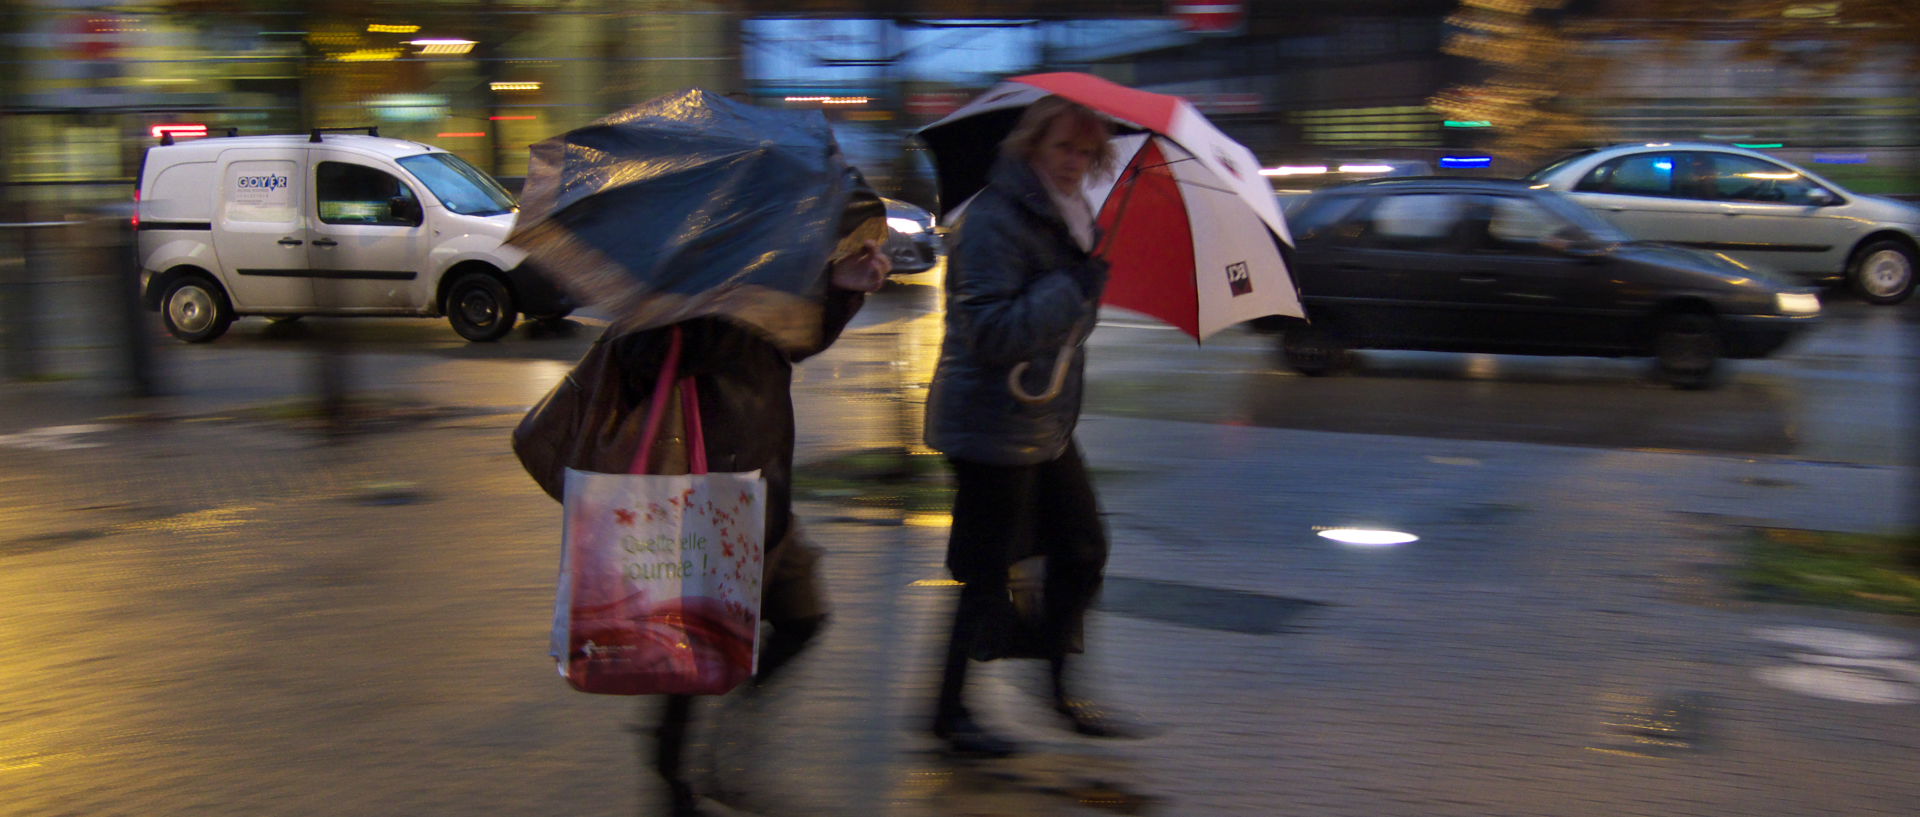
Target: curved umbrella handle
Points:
(1054, 385)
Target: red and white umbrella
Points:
(1189, 227)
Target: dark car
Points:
(912, 242)
(1495, 266)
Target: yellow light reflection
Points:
(381, 28)
(513, 86)
(368, 55)
(937, 583)
(930, 520)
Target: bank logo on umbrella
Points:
(1239, 279)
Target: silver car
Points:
(1752, 208)
(912, 242)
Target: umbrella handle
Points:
(1054, 385)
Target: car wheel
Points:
(195, 310)
(1311, 350)
(480, 308)
(1687, 346)
(1882, 272)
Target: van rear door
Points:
(259, 232)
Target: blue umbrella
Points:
(693, 204)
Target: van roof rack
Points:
(372, 130)
(166, 137)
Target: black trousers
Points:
(1004, 514)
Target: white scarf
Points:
(1074, 209)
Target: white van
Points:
(328, 224)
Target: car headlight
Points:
(1797, 303)
(905, 226)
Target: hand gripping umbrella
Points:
(693, 204)
(1188, 225)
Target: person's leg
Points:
(669, 748)
(991, 507)
(793, 604)
(1074, 541)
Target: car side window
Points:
(1310, 220)
(1415, 221)
(357, 194)
(1518, 224)
(1643, 174)
(1746, 179)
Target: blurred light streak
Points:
(1368, 537)
(937, 583)
(460, 135)
(513, 86)
(443, 46)
(1292, 170)
(512, 118)
(1366, 168)
(1466, 161)
(832, 100)
(1759, 145)
(178, 130)
(930, 520)
(380, 28)
(368, 55)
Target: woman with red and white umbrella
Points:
(1076, 191)
(1022, 284)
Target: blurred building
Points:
(480, 77)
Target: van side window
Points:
(357, 194)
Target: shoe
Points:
(682, 801)
(1088, 718)
(965, 738)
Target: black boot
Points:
(1084, 716)
(952, 723)
(966, 738)
(788, 639)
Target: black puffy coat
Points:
(1018, 289)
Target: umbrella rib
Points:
(1188, 182)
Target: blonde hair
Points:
(1024, 142)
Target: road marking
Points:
(1844, 666)
(54, 438)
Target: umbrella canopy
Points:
(693, 204)
(1190, 228)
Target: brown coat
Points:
(593, 421)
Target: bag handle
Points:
(657, 408)
(696, 440)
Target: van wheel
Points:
(1311, 350)
(1882, 272)
(195, 309)
(480, 308)
(1687, 346)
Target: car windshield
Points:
(463, 188)
(1556, 164)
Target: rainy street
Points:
(256, 622)
(1835, 394)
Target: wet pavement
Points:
(211, 612)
